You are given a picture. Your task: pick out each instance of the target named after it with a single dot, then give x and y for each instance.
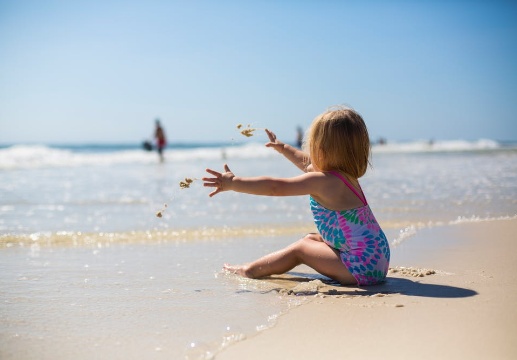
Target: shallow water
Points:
(88, 270)
(139, 300)
(121, 196)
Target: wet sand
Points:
(451, 294)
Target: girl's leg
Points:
(310, 250)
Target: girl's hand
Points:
(221, 181)
(274, 143)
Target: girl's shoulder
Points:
(317, 175)
(321, 184)
(334, 193)
(334, 177)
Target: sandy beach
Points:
(88, 271)
(454, 299)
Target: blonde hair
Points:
(338, 140)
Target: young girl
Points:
(350, 247)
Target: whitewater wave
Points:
(437, 146)
(38, 156)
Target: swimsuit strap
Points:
(347, 183)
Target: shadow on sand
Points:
(393, 285)
(415, 288)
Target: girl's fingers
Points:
(216, 173)
(215, 182)
(210, 179)
(271, 135)
(216, 191)
(210, 171)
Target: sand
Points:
(451, 294)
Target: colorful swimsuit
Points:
(357, 236)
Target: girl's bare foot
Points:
(236, 269)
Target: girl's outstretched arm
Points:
(263, 185)
(296, 156)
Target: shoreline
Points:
(465, 309)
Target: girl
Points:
(350, 247)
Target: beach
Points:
(152, 151)
(87, 269)
(464, 310)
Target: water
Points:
(88, 270)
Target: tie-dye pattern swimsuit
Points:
(357, 236)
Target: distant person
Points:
(299, 137)
(350, 246)
(161, 141)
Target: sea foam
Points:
(39, 156)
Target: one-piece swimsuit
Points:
(356, 234)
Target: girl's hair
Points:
(338, 140)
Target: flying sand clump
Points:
(186, 184)
(248, 131)
(160, 213)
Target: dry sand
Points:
(466, 309)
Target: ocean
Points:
(88, 270)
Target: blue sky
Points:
(102, 71)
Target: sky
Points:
(103, 71)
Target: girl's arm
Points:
(296, 156)
(263, 185)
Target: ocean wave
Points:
(38, 156)
(436, 146)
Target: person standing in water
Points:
(161, 140)
(350, 246)
(299, 137)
